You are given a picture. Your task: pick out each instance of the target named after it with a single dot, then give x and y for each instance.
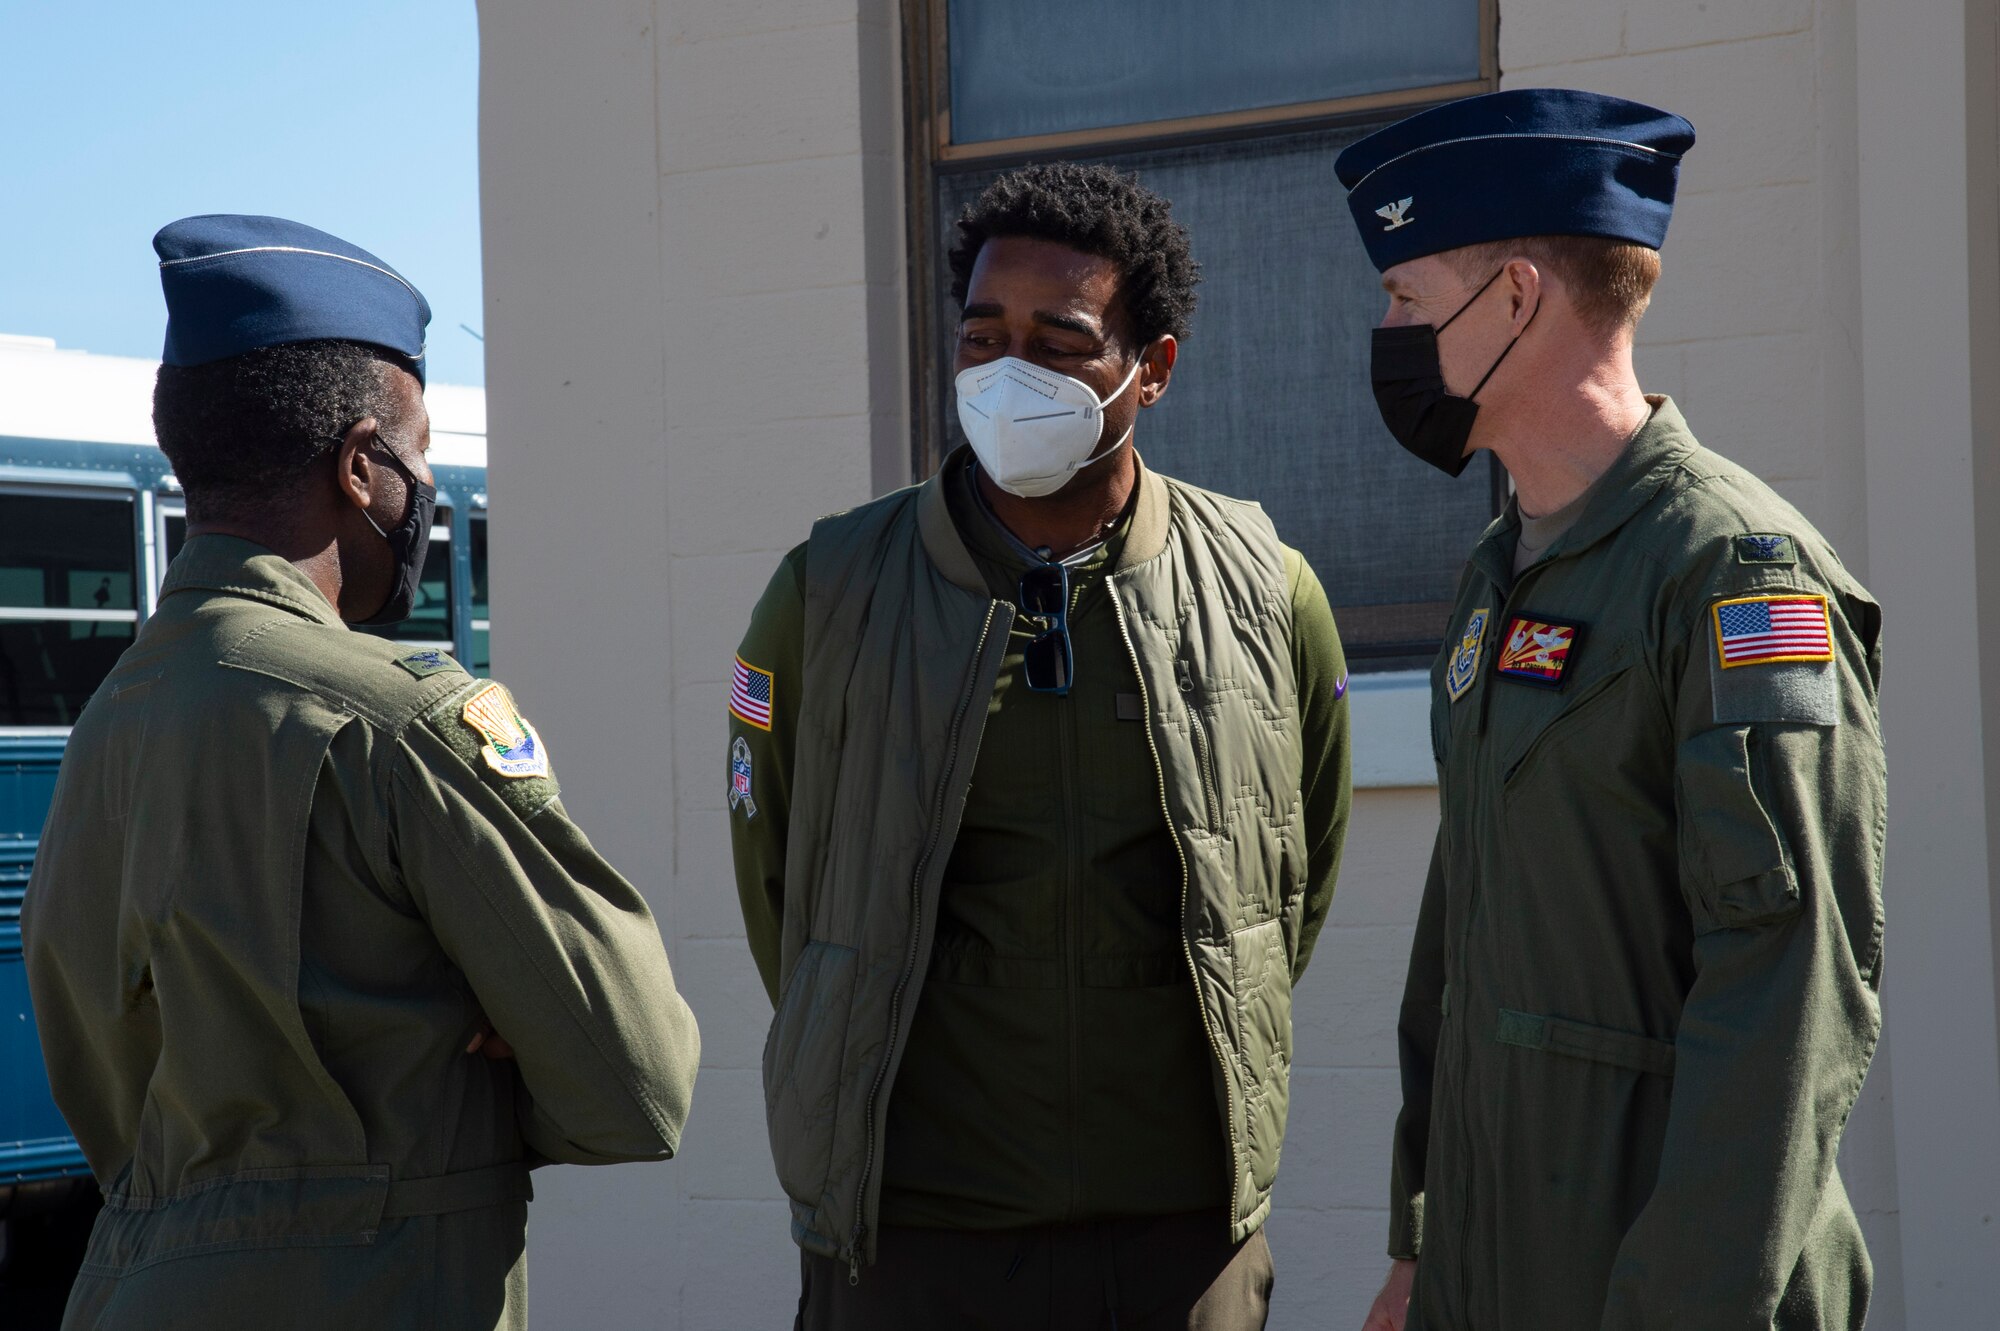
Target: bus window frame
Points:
(108, 490)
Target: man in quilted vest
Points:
(1038, 784)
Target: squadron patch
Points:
(739, 778)
(1765, 548)
(1464, 666)
(1760, 630)
(750, 695)
(510, 745)
(1538, 650)
(427, 663)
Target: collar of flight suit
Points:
(1152, 511)
(1647, 463)
(236, 567)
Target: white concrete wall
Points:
(696, 344)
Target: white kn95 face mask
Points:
(1033, 429)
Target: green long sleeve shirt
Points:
(1057, 1068)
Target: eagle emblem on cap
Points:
(1394, 213)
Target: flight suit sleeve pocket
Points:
(1734, 867)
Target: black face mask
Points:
(408, 544)
(1427, 419)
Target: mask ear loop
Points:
(1475, 296)
(1515, 341)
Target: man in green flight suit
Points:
(320, 963)
(1039, 780)
(1643, 992)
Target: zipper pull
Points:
(854, 1263)
(1185, 673)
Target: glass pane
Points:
(1270, 400)
(478, 561)
(481, 661)
(49, 668)
(1046, 66)
(430, 616)
(177, 534)
(62, 553)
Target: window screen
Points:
(1028, 67)
(1270, 400)
(67, 572)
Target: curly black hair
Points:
(244, 433)
(1099, 211)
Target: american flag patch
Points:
(750, 695)
(1758, 630)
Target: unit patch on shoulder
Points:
(739, 778)
(1464, 667)
(1781, 626)
(1538, 650)
(1765, 548)
(428, 662)
(510, 745)
(751, 694)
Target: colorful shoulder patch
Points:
(751, 694)
(1759, 630)
(1538, 650)
(1765, 548)
(1464, 667)
(510, 745)
(739, 778)
(428, 662)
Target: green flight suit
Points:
(1643, 993)
(287, 870)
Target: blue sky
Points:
(118, 116)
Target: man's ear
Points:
(1525, 290)
(356, 472)
(1158, 361)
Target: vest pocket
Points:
(1734, 869)
(804, 1058)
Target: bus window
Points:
(67, 574)
(479, 656)
(430, 616)
(174, 526)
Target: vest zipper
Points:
(1187, 949)
(910, 958)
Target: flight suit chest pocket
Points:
(1735, 870)
(1531, 724)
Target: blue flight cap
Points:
(1525, 162)
(235, 283)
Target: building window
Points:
(1235, 113)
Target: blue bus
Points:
(90, 517)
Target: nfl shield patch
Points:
(1538, 650)
(1464, 666)
(739, 778)
(750, 695)
(511, 747)
(1759, 630)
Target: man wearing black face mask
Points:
(1643, 991)
(320, 963)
